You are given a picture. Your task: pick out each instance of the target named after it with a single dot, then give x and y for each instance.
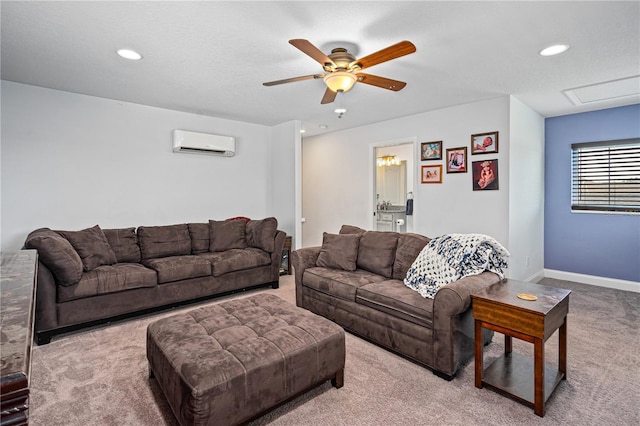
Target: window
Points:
(605, 176)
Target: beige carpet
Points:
(99, 377)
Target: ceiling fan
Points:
(343, 70)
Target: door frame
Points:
(373, 171)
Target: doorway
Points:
(392, 185)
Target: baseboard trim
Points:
(536, 277)
(593, 280)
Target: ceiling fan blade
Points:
(385, 83)
(306, 47)
(291, 80)
(392, 52)
(329, 96)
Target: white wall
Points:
(72, 161)
(284, 195)
(526, 197)
(336, 175)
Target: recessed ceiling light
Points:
(323, 126)
(556, 49)
(129, 54)
(303, 131)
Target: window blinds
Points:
(606, 176)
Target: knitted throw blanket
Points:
(453, 256)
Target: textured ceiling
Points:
(212, 57)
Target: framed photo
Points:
(432, 174)
(484, 143)
(485, 175)
(457, 160)
(431, 151)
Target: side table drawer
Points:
(508, 317)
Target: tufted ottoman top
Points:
(219, 360)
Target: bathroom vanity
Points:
(393, 218)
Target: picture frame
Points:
(431, 151)
(457, 160)
(432, 174)
(485, 175)
(484, 143)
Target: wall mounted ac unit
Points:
(202, 143)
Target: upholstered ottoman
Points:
(226, 363)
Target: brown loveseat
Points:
(356, 279)
(95, 276)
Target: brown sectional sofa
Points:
(95, 276)
(356, 279)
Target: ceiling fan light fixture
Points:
(340, 81)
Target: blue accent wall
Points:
(603, 245)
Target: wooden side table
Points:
(286, 252)
(498, 308)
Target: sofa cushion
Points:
(227, 234)
(350, 229)
(92, 247)
(236, 260)
(409, 247)
(57, 254)
(262, 233)
(109, 279)
(124, 243)
(339, 251)
(338, 283)
(176, 268)
(164, 241)
(199, 233)
(377, 252)
(392, 297)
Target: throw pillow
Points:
(164, 241)
(246, 219)
(57, 254)
(92, 246)
(199, 233)
(227, 234)
(377, 252)
(350, 229)
(262, 233)
(339, 251)
(124, 243)
(409, 247)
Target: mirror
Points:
(391, 184)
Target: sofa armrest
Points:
(455, 298)
(276, 255)
(46, 294)
(453, 328)
(302, 259)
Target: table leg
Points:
(507, 344)
(478, 353)
(538, 377)
(562, 361)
